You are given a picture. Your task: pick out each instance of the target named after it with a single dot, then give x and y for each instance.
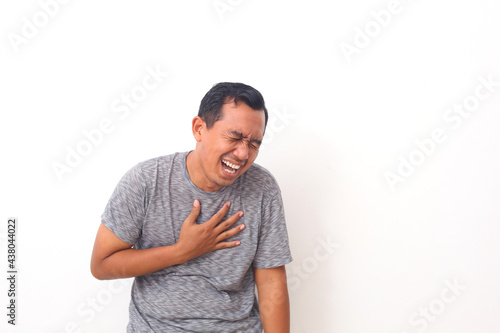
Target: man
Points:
(199, 230)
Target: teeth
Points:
(229, 171)
(234, 166)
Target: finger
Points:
(219, 215)
(225, 245)
(229, 222)
(195, 211)
(230, 233)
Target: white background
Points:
(340, 124)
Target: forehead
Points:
(243, 119)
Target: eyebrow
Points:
(240, 135)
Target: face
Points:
(225, 151)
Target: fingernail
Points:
(237, 242)
(196, 203)
(240, 214)
(242, 227)
(228, 204)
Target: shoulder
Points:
(153, 168)
(259, 177)
(164, 161)
(154, 162)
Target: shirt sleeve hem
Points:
(115, 230)
(274, 264)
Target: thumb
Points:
(195, 211)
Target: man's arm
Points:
(274, 305)
(113, 258)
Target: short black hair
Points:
(229, 92)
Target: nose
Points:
(241, 152)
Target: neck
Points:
(196, 174)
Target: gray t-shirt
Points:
(216, 291)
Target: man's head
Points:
(228, 130)
(221, 93)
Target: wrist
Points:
(180, 254)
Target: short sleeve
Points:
(125, 211)
(273, 249)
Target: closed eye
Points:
(254, 144)
(236, 136)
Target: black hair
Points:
(228, 92)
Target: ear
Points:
(198, 126)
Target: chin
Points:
(225, 182)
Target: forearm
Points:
(135, 262)
(275, 314)
(274, 303)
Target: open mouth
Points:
(229, 167)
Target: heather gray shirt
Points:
(216, 291)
